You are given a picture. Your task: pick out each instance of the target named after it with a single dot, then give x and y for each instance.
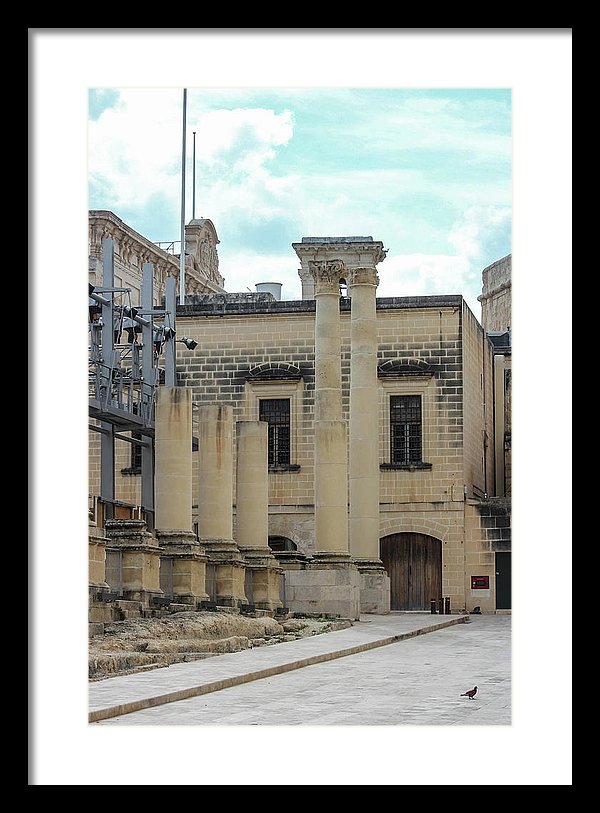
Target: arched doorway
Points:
(414, 564)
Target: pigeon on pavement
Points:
(471, 693)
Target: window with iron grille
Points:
(405, 428)
(276, 412)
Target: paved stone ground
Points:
(413, 682)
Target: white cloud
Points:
(135, 148)
(243, 270)
(480, 224)
(251, 132)
(459, 273)
(421, 274)
(412, 274)
(135, 153)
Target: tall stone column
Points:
(215, 504)
(330, 583)
(173, 493)
(331, 473)
(330, 259)
(364, 441)
(252, 513)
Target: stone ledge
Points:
(406, 466)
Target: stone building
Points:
(132, 250)
(495, 512)
(369, 487)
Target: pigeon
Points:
(471, 693)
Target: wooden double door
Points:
(413, 562)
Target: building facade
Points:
(494, 515)
(132, 250)
(381, 475)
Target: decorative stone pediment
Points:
(274, 371)
(405, 366)
(201, 242)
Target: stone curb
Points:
(226, 683)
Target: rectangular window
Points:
(136, 451)
(276, 412)
(405, 428)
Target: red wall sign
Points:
(480, 582)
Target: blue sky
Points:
(426, 171)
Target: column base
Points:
(96, 557)
(140, 556)
(369, 565)
(263, 588)
(178, 540)
(291, 559)
(328, 590)
(332, 559)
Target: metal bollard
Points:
(447, 605)
(433, 607)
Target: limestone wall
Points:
(487, 532)
(478, 407)
(230, 346)
(495, 297)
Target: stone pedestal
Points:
(374, 588)
(184, 561)
(96, 558)
(215, 503)
(225, 559)
(327, 587)
(141, 558)
(265, 576)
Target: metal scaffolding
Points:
(123, 377)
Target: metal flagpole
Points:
(182, 255)
(194, 180)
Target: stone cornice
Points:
(106, 224)
(353, 252)
(483, 297)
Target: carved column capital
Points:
(305, 274)
(362, 276)
(327, 275)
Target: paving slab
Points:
(124, 695)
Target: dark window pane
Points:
(276, 412)
(136, 452)
(405, 429)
